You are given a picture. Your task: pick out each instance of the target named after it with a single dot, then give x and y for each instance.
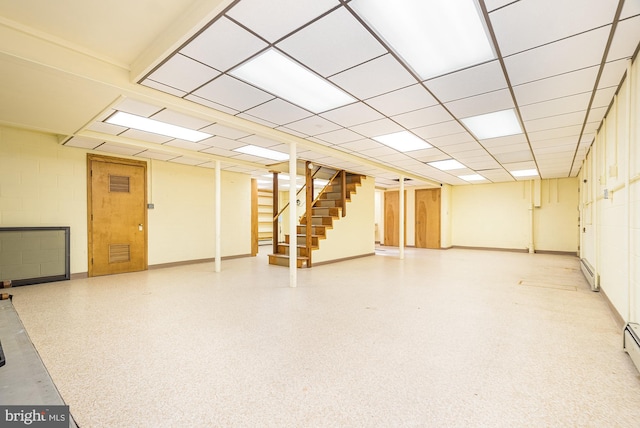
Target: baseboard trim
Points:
(620, 322)
(79, 275)
(509, 250)
(344, 259)
(557, 253)
(195, 261)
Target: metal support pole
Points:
(401, 217)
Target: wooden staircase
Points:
(329, 206)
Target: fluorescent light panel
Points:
(493, 125)
(403, 141)
(524, 173)
(262, 152)
(276, 73)
(433, 37)
(446, 165)
(156, 127)
(472, 177)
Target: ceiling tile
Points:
(596, 114)
(515, 166)
(183, 73)
(156, 155)
(604, 97)
(481, 104)
(461, 147)
(257, 120)
(625, 39)
(233, 93)
(562, 85)
(381, 75)
(581, 51)
(188, 145)
(429, 155)
(222, 143)
(340, 136)
(220, 152)
(164, 88)
(403, 100)
(145, 136)
(278, 111)
(630, 8)
(548, 134)
(521, 156)
(257, 140)
(501, 141)
(509, 148)
(188, 161)
(353, 114)
(238, 45)
(564, 105)
(119, 149)
(472, 81)
(423, 117)
(84, 143)
(527, 24)
(332, 44)
(439, 130)
(612, 73)
(179, 119)
(377, 128)
(559, 121)
(211, 104)
(225, 131)
(448, 140)
(359, 145)
(313, 125)
(106, 128)
(139, 108)
(380, 151)
(275, 19)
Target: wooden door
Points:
(392, 218)
(428, 218)
(117, 211)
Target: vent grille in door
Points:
(118, 183)
(119, 253)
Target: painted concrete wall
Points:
(44, 184)
(610, 201)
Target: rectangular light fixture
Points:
(493, 125)
(142, 123)
(285, 78)
(524, 173)
(433, 37)
(472, 177)
(262, 152)
(403, 141)
(446, 165)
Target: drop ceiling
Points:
(557, 64)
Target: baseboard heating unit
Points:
(592, 278)
(631, 342)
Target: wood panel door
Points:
(428, 218)
(392, 218)
(117, 211)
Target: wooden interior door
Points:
(392, 218)
(428, 218)
(117, 223)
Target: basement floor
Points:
(457, 338)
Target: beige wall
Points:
(498, 215)
(44, 184)
(610, 201)
(182, 224)
(352, 235)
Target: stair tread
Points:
(286, 256)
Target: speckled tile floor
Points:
(456, 338)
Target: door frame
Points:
(120, 161)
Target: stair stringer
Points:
(354, 234)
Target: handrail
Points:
(301, 189)
(325, 187)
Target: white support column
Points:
(293, 220)
(633, 316)
(401, 217)
(531, 198)
(218, 252)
